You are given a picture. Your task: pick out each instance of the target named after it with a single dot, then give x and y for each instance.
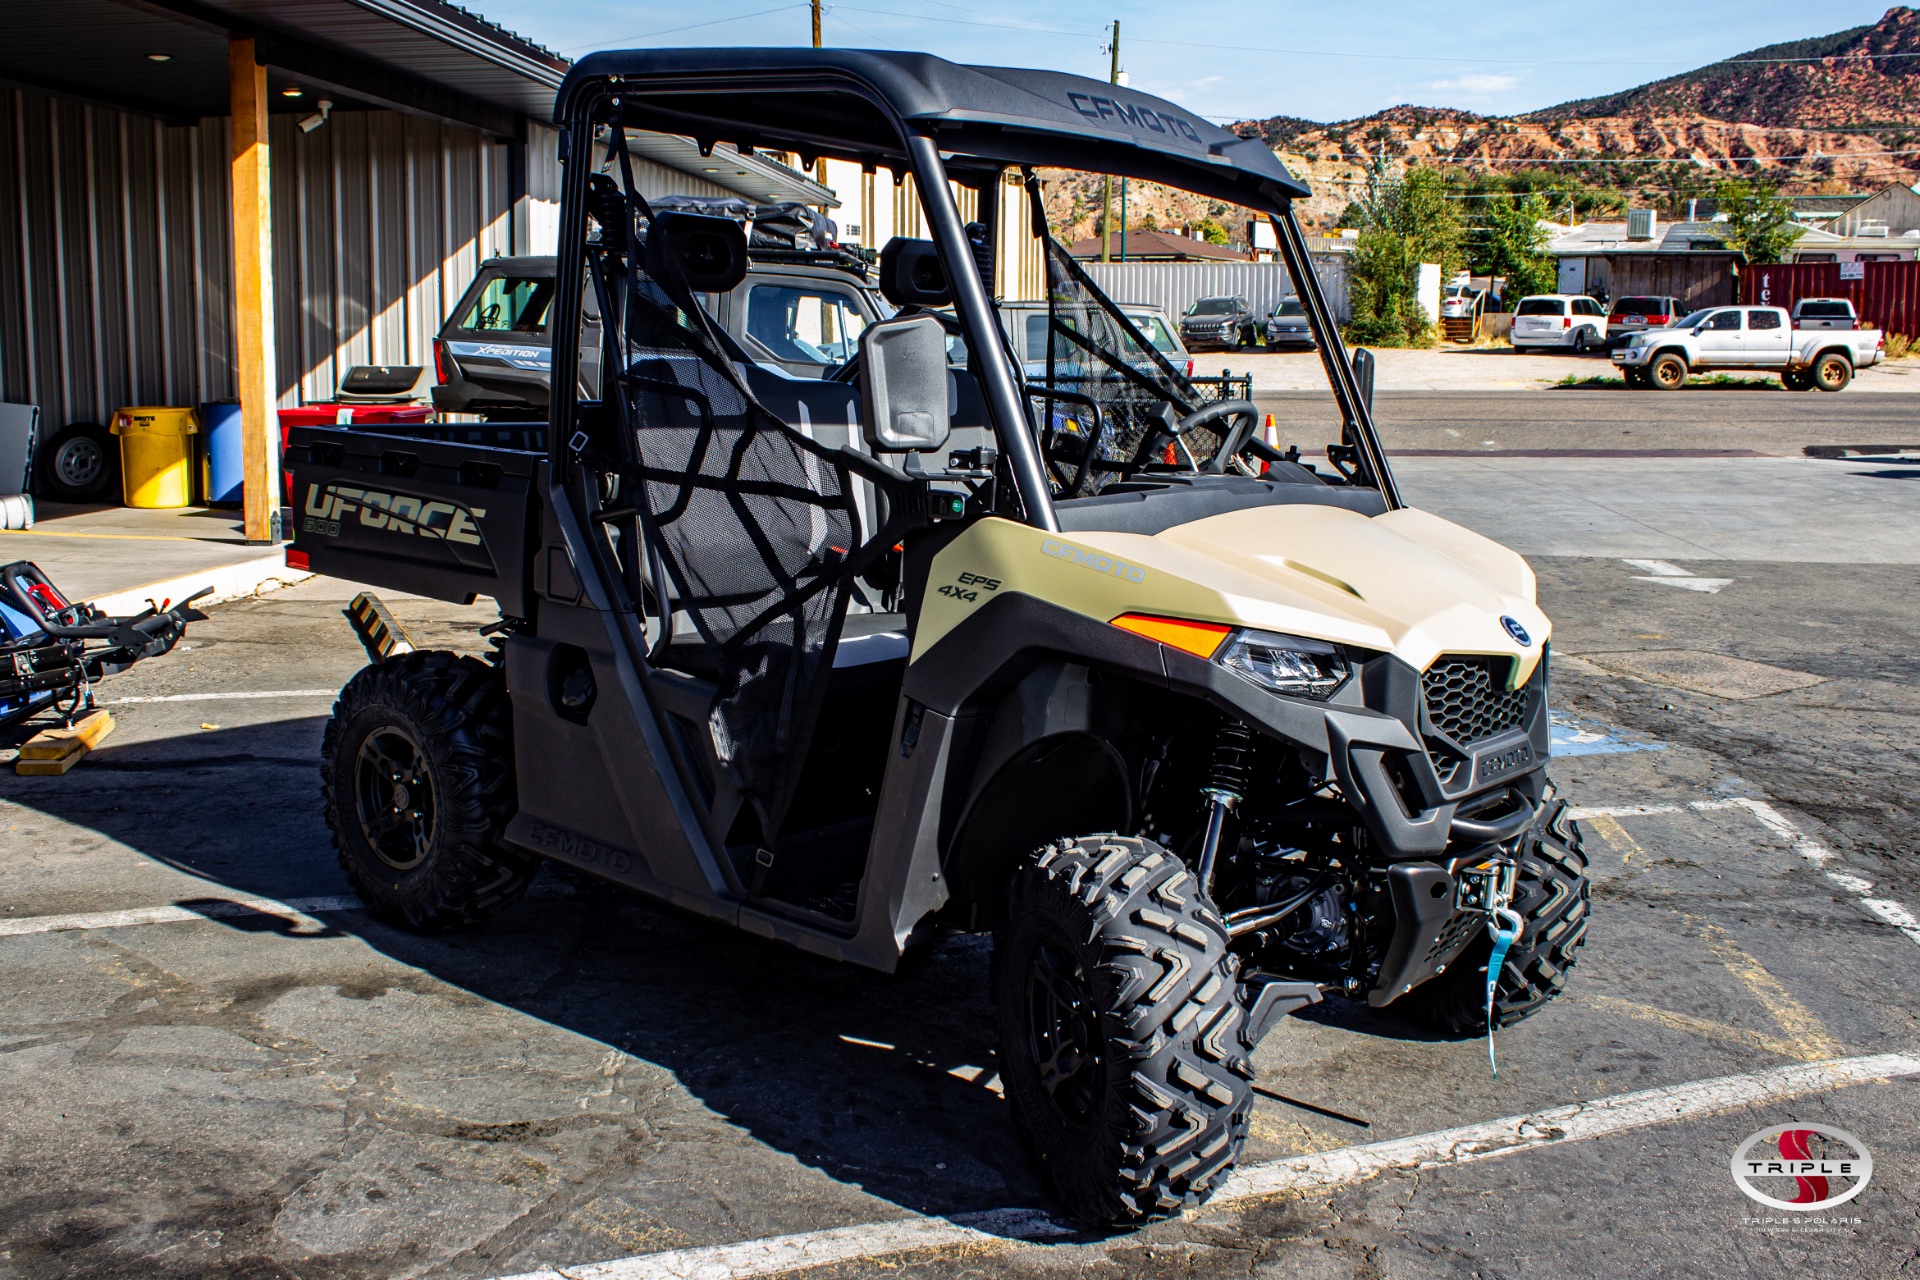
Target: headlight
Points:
(1291, 665)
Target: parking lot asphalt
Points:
(216, 1066)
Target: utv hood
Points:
(1406, 583)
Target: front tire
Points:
(1797, 379)
(1637, 378)
(1552, 895)
(1668, 372)
(1122, 1036)
(417, 776)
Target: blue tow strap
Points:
(1505, 925)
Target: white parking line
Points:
(298, 910)
(1817, 854)
(1672, 575)
(222, 697)
(1463, 1145)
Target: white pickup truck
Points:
(1747, 338)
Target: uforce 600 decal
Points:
(393, 512)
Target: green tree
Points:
(1759, 218)
(1407, 221)
(1506, 239)
(1211, 231)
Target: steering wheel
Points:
(1232, 441)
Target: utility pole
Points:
(820, 165)
(1106, 193)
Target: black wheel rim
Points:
(393, 794)
(1063, 1033)
(79, 462)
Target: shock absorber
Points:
(1226, 787)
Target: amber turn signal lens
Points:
(1197, 638)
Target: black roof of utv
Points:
(772, 98)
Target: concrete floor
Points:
(299, 1091)
(92, 551)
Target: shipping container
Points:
(1886, 294)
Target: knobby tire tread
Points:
(1179, 1087)
(1553, 896)
(457, 708)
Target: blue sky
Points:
(1324, 61)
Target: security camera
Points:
(309, 123)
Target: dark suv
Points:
(1219, 322)
(1631, 314)
(803, 312)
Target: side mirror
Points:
(904, 385)
(911, 274)
(1363, 375)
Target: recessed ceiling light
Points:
(709, 169)
(159, 57)
(291, 93)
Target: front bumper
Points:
(1632, 357)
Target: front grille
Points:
(1468, 699)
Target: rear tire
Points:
(1122, 1036)
(1552, 895)
(1579, 342)
(1832, 372)
(1667, 372)
(417, 777)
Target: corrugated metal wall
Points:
(1888, 295)
(116, 259)
(1175, 286)
(380, 221)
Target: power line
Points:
(619, 41)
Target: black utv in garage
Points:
(1199, 729)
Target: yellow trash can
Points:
(156, 455)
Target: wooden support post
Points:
(254, 368)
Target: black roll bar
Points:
(1000, 382)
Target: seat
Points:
(866, 640)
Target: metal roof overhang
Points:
(423, 57)
(854, 103)
(753, 177)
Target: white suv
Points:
(1573, 322)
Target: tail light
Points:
(297, 559)
(1657, 320)
(440, 361)
(1189, 368)
(1566, 322)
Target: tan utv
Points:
(1200, 729)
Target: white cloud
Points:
(1474, 86)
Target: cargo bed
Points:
(405, 508)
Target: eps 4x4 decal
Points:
(968, 587)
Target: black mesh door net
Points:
(751, 524)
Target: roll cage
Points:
(941, 122)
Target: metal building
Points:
(382, 149)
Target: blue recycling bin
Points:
(225, 454)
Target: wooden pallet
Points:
(51, 752)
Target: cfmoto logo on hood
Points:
(1515, 630)
(394, 512)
